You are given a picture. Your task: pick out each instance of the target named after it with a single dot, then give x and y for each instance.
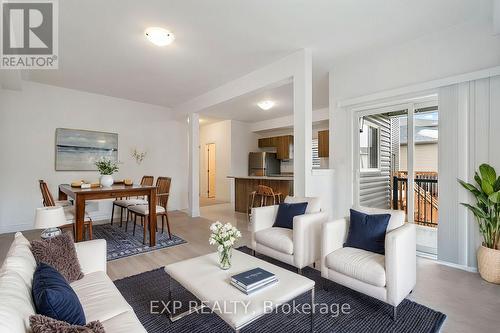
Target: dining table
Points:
(81, 195)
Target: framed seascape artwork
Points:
(77, 150)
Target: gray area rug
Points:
(122, 244)
(367, 315)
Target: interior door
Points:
(211, 169)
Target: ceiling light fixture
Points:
(159, 36)
(265, 105)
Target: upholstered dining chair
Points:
(163, 190)
(48, 200)
(69, 210)
(123, 204)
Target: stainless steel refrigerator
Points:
(263, 164)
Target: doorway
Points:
(211, 169)
(395, 164)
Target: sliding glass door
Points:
(395, 164)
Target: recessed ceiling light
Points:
(159, 36)
(265, 105)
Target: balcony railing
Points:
(426, 196)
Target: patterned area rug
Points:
(367, 314)
(122, 244)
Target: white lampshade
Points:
(49, 217)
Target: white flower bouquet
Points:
(224, 236)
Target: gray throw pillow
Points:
(43, 324)
(60, 253)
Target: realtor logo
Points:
(29, 34)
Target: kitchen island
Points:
(245, 185)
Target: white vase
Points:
(106, 180)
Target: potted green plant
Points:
(106, 168)
(487, 213)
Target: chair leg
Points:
(394, 313)
(135, 222)
(145, 224)
(112, 213)
(162, 223)
(121, 216)
(129, 217)
(90, 230)
(168, 226)
(299, 271)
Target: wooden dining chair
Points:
(69, 210)
(48, 200)
(142, 211)
(124, 203)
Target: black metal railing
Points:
(426, 198)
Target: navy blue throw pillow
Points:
(286, 213)
(367, 232)
(54, 298)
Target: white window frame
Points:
(377, 169)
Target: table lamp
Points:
(50, 218)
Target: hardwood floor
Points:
(471, 304)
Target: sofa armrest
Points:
(400, 262)
(262, 218)
(92, 255)
(307, 238)
(334, 234)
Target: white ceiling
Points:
(102, 48)
(245, 108)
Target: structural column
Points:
(194, 164)
(302, 125)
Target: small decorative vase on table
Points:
(224, 236)
(106, 168)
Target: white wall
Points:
(461, 49)
(220, 134)
(243, 141)
(28, 119)
(233, 141)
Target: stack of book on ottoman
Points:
(253, 280)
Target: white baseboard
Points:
(462, 267)
(4, 229)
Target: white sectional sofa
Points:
(99, 297)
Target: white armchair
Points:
(299, 247)
(389, 278)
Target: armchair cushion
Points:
(397, 216)
(367, 232)
(313, 204)
(359, 264)
(286, 213)
(279, 239)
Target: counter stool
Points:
(262, 194)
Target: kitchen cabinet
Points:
(283, 145)
(323, 143)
